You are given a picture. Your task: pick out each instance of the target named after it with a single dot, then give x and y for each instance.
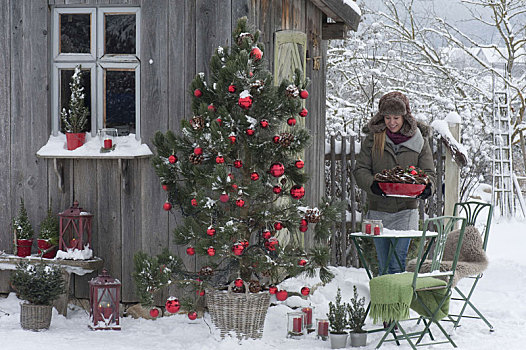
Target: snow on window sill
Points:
(126, 147)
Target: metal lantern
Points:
(296, 325)
(75, 228)
(104, 297)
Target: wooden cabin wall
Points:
(178, 38)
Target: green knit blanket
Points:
(392, 296)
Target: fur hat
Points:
(393, 103)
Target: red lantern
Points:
(190, 250)
(194, 202)
(245, 102)
(232, 139)
(211, 231)
(192, 315)
(104, 298)
(250, 132)
(220, 159)
(299, 164)
(172, 159)
(172, 305)
(282, 295)
(198, 93)
(254, 176)
(266, 234)
(238, 282)
(74, 226)
(223, 197)
(264, 123)
(231, 88)
(238, 163)
(256, 54)
(277, 169)
(211, 251)
(278, 225)
(291, 121)
(304, 112)
(305, 291)
(272, 289)
(276, 189)
(198, 151)
(240, 203)
(297, 192)
(304, 94)
(167, 206)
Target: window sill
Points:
(126, 147)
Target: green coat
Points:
(416, 151)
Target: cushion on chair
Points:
(472, 259)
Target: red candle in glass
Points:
(368, 229)
(376, 230)
(323, 328)
(296, 324)
(107, 143)
(308, 316)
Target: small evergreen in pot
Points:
(338, 321)
(357, 315)
(75, 118)
(48, 236)
(23, 232)
(39, 285)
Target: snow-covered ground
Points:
(498, 295)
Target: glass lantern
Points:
(104, 298)
(107, 138)
(322, 328)
(366, 226)
(377, 227)
(295, 325)
(74, 228)
(307, 318)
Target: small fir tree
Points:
(76, 117)
(21, 224)
(39, 284)
(49, 228)
(338, 314)
(235, 172)
(357, 313)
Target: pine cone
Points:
(256, 85)
(206, 271)
(254, 286)
(197, 122)
(243, 36)
(238, 289)
(285, 139)
(195, 158)
(313, 216)
(292, 91)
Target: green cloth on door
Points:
(392, 296)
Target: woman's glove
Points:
(426, 193)
(376, 189)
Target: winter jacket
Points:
(415, 151)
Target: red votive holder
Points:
(108, 143)
(295, 325)
(323, 328)
(368, 229)
(307, 312)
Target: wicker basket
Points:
(241, 313)
(35, 317)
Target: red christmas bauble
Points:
(231, 176)
(276, 139)
(304, 94)
(238, 163)
(211, 251)
(198, 151)
(220, 159)
(304, 222)
(154, 312)
(200, 292)
(278, 225)
(251, 74)
(245, 102)
(192, 315)
(194, 202)
(167, 206)
(250, 132)
(256, 54)
(244, 243)
(165, 187)
(276, 189)
(302, 262)
(238, 249)
(303, 228)
(232, 88)
(223, 197)
(277, 169)
(291, 121)
(272, 243)
(232, 138)
(219, 121)
(234, 187)
(190, 250)
(266, 234)
(304, 112)
(240, 203)
(211, 108)
(254, 176)
(211, 231)
(299, 164)
(198, 93)
(282, 295)
(305, 291)
(272, 289)
(238, 282)
(264, 123)
(297, 192)
(172, 305)
(172, 159)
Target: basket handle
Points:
(231, 294)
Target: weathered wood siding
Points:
(125, 197)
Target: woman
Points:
(393, 138)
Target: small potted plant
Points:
(357, 315)
(23, 232)
(39, 285)
(48, 237)
(76, 116)
(338, 322)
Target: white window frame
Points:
(96, 61)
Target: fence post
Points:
(452, 175)
(343, 240)
(333, 195)
(352, 196)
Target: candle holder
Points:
(307, 318)
(322, 328)
(295, 325)
(377, 226)
(366, 226)
(107, 138)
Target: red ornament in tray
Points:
(401, 189)
(409, 182)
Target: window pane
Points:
(119, 101)
(65, 92)
(119, 34)
(75, 33)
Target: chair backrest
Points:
(442, 225)
(471, 211)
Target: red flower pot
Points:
(43, 245)
(23, 247)
(75, 140)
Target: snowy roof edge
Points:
(346, 11)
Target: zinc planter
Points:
(338, 341)
(35, 317)
(358, 339)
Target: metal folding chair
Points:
(428, 283)
(471, 211)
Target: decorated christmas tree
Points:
(76, 117)
(235, 173)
